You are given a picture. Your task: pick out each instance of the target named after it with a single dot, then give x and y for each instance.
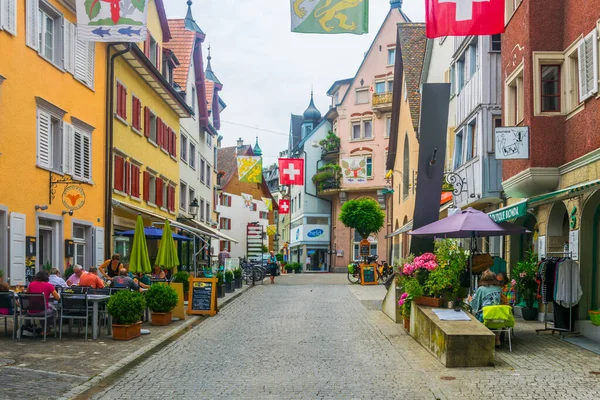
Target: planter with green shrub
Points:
(237, 278)
(297, 268)
(184, 278)
(126, 307)
(229, 285)
(161, 300)
(289, 268)
(220, 285)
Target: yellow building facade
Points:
(145, 132)
(52, 140)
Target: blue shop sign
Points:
(315, 233)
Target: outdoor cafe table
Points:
(95, 299)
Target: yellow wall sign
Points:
(73, 197)
(203, 296)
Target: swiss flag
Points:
(284, 206)
(464, 17)
(291, 171)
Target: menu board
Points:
(203, 296)
(367, 274)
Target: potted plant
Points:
(229, 286)
(524, 273)
(289, 268)
(126, 308)
(237, 278)
(220, 285)
(183, 277)
(161, 300)
(297, 268)
(444, 281)
(420, 271)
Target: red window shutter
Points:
(171, 198)
(124, 103)
(146, 186)
(135, 181)
(127, 185)
(159, 132)
(146, 122)
(169, 140)
(159, 199)
(147, 45)
(119, 164)
(119, 98)
(158, 58)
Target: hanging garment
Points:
(568, 290)
(548, 286)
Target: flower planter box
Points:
(429, 301)
(229, 287)
(238, 283)
(126, 332)
(220, 291)
(162, 319)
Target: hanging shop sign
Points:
(574, 245)
(73, 197)
(541, 247)
(354, 169)
(512, 143)
(510, 212)
(112, 20)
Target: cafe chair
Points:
(30, 308)
(7, 301)
(500, 319)
(102, 311)
(74, 306)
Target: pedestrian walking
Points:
(272, 264)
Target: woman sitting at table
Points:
(41, 285)
(488, 294)
(4, 304)
(158, 273)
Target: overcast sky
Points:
(267, 71)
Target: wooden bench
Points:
(457, 344)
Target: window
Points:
(472, 135)
(119, 174)
(192, 155)
(202, 170)
(306, 129)
(380, 87)
(357, 240)
(390, 86)
(496, 123)
(184, 144)
(587, 51)
(49, 139)
(225, 223)
(208, 175)
(370, 167)
(171, 198)
(136, 113)
(391, 56)
(453, 90)
(150, 186)
(82, 155)
(299, 201)
(496, 44)
(368, 129)
(573, 80)
(510, 7)
(336, 99)
(183, 196)
(201, 208)
(388, 125)
(121, 101)
(225, 245)
(135, 181)
(79, 236)
(253, 207)
(550, 78)
(263, 215)
(208, 213)
(50, 33)
(362, 96)
(406, 168)
(192, 194)
(8, 16)
(317, 220)
(209, 139)
(473, 61)
(153, 51)
(194, 99)
(165, 194)
(460, 72)
(356, 130)
(458, 150)
(515, 94)
(152, 128)
(226, 200)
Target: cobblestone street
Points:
(315, 341)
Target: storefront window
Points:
(122, 246)
(356, 252)
(316, 260)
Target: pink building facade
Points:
(361, 111)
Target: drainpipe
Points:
(110, 61)
(330, 208)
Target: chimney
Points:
(240, 144)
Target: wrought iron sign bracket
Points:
(458, 184)
(54, 181)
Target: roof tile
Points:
(182, 44)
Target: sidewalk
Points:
(33, 369)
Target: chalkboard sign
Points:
(365, 248)
(203, 296)
(367, 274)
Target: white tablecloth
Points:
(448, 314)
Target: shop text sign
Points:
(508, 213)
(512, 143)
(311, 233)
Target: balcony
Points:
(330, 147)
(327, 179)
(382, 101)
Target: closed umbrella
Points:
(139, 262)
(167, 252)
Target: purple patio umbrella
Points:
(469, 223)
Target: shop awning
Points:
(403, 229)
(563, 193)
(141, 210)
(509, 212)
(220, 235)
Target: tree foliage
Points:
(364, 215)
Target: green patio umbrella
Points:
(139, 260)
(167, 252)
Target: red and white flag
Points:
(284, 206)
(464, 17)
(291, 171)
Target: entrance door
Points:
(46, 246)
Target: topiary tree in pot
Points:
(363, 215)
(220, 284)
(237, 278)
(229, 287)
(184, 278)
(161, 300)
(126, 308)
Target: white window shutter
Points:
(17, 249)
(581, 54)
(69, 47)
(33, 29)
(12, 17)
(591, 55)
(81, 56)
(87, 156)
(98, 246)
(68, 149)
(91, 51)
(43, 139)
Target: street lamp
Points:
(194, 208)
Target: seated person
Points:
(42, 285)
(55, 278)
(488, 294)
(91, 279)
(508, 289)
(143, 280)
(124, 281)
(76, 276)
(4, 308)
(158, 273)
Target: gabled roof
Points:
(305, 139)
(210, 94)
(413, 42)
(337, 84)
(227, 161)
(182, 44)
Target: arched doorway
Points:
(520, 245)
(558, 229)
(589, 257)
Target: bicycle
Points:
(384, 271)
(354, 273)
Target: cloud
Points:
(268, 71)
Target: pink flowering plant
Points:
(451, 259)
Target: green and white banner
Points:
(330, 16)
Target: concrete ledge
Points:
(457, 344)
(390, 305)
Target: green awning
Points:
(510, 212)
(563, 193)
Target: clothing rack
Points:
(562, 331)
